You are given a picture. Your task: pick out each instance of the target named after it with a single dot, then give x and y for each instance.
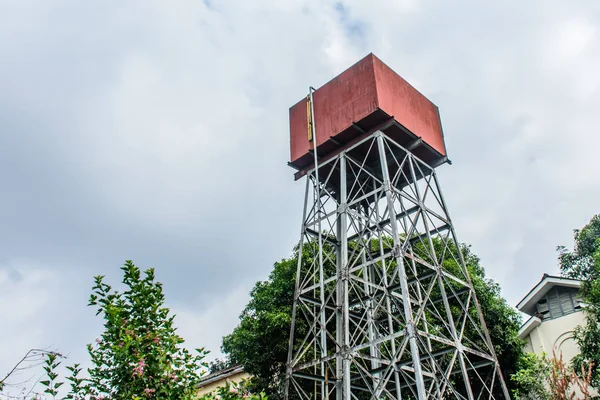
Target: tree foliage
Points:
(583, 262)
(260, 341)
(502, 321)
(219, 364)
(564, 382)
(543, 378)
(138, 355)
(531, 378)
(588, 336)
(14, 378)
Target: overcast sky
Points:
(158, 131)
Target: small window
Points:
(542, 309)
(566, 302)
(542, 306)
(559, 301)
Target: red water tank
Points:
(366, 97)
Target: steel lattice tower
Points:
(384, 306)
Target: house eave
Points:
(529, 326)
(527, 304)
(218, 376)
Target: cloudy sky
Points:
(157, 131)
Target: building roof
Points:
(220, 375)
(527, 327)
(527, 305)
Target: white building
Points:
(555, 309)
(212, 382)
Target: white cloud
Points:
(217, 318)
(158, 132)
(40, 309)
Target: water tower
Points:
(383, 304)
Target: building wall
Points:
(556, 335)
(212, 386)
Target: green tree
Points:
(531, 378)
(503, 321)
(218, 365)
(543, 378)
(32, 359)
(260, 341)
(583, 262)
(138, 355)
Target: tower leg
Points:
(384, 306)
(397, 250)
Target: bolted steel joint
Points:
(344, 274)
(410, 330)
(397, 251)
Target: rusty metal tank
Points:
(367, 97)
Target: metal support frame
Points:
(383, 305)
